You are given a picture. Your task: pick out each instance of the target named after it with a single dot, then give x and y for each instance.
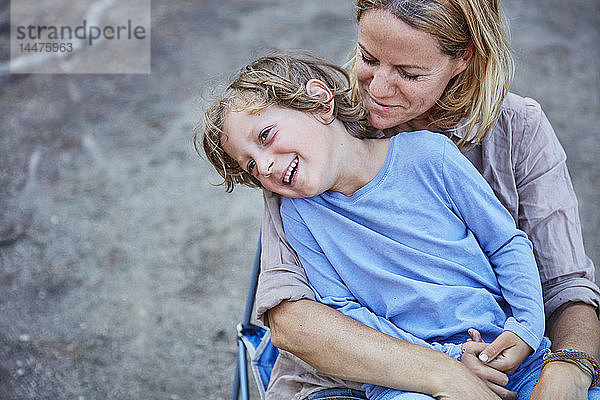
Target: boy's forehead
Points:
(236, 121)
(242, 118)
(237, 128)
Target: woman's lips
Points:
(378, 104)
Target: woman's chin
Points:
(379, 122)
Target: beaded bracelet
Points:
(578, 357)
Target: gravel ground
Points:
(123, 269)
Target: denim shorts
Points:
(337, 394)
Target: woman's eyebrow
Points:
(364, 50)
(408, 66)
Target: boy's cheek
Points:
(274, 188)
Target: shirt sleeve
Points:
(548, 212)
(508, 249)
(324, 278)
(282, 278)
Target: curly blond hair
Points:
(276, 79)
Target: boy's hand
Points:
(505, 353)
(493, 378)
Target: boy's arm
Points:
(508, 249)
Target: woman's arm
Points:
(549, 215)
(574, 326)
(342, 347)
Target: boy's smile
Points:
(291, 152)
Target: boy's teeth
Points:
(288, 174)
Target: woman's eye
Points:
(264, 135)
(368, 60)
(409, 76)
(251, 165)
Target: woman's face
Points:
(401, 71)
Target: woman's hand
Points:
(574, 325)
(561, 380)
(461, 384)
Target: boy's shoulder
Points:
(422, 139)
(419, 145)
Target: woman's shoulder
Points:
(522, 128)
(518, 113)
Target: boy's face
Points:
(290, 152)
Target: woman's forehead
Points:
(381, 32)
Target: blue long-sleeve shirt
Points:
(423, 252)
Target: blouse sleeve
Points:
(548, 213)
(282, 278)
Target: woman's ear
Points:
(463, 62)
(317, 88)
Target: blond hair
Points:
(276, 79)
(473, 98)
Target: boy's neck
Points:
(362, 160)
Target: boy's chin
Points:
(294, 195)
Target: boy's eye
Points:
(251, 165)
(264, 135)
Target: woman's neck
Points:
(417, 124)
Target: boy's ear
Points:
(317, 88)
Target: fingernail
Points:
(483, 357)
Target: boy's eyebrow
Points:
(408, 66)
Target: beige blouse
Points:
(524, 163)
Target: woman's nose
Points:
(382, 84)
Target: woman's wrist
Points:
(447, 371)
(586, 363)
(560, 370)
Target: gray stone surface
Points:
(123, 270)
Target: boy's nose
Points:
(266, 168)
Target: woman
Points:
(409, 76)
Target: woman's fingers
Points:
(503, 393)
(483, 371)
(492, 375)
